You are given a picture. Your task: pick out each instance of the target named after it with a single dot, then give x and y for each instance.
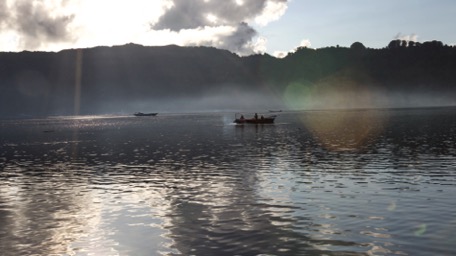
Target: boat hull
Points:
(145, 114)
(267, 120)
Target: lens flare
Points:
(421, 230)
(299, 95)
(347, 116)
(344, 130)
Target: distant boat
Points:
(275, 111)
(145, 114)
(254, 120)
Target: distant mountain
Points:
(129, 78)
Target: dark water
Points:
(315, 183)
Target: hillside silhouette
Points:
(124, 78)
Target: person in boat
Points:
(262, 117)
(242, 117)
(256, 116)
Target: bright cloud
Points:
(305, 43)
(273, 10)
(57, 24)
(412, 37)
(282, 54)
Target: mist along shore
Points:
(132, 78)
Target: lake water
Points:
(364, 182)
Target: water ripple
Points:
(183, 185)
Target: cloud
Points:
(273, 10)
(305, 43)
(282, 54)
(36, 22)
(408, 38)
(3, 12)
(239, 40)
(235, 39)
(52, 25)
(192, 14)
(197, 14)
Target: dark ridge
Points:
(45, 83)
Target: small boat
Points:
(144, 114)
(254, 120)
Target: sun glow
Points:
(212, 18)
(114, 22)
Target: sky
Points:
(245, 27)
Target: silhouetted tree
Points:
(357, 46)
(404, 43)
(433, 44)
(394, 44)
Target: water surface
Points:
(361, 182)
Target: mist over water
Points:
(223, 100)
(297, 97)
(345, 182)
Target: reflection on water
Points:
(319, 182)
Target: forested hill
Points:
(121, 78)
(400, 66)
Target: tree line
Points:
(42, 83)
